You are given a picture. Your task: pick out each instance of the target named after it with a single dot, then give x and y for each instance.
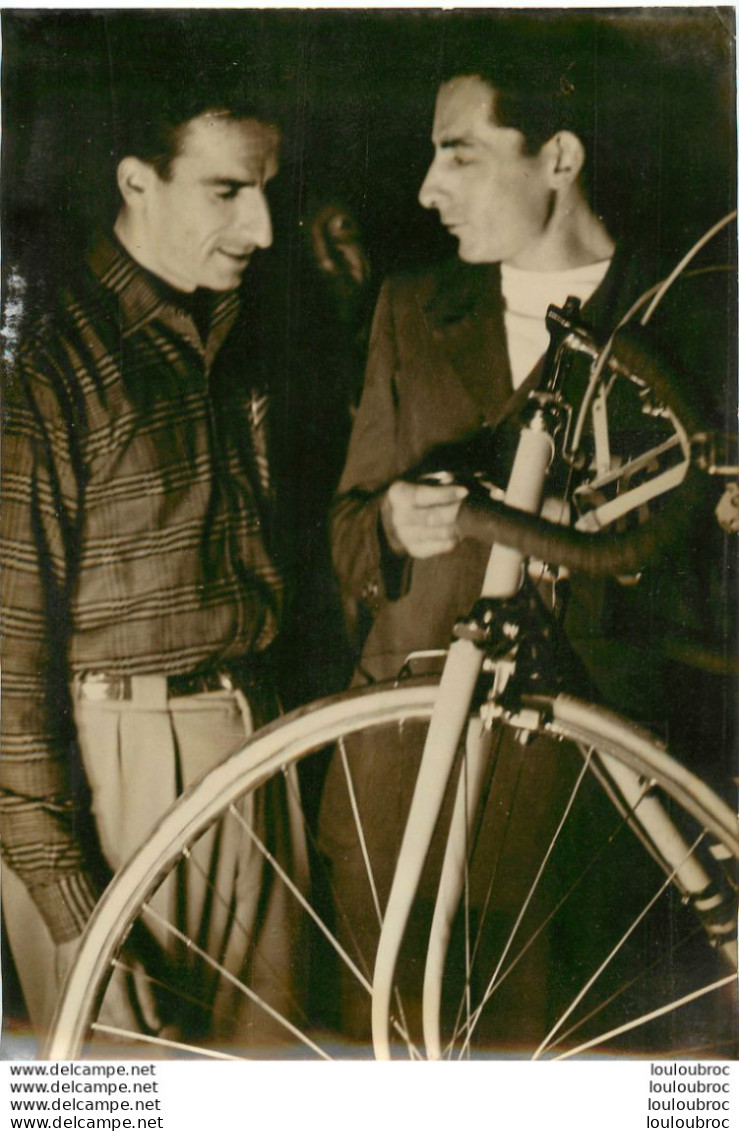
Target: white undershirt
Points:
(527, 295)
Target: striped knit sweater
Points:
(134, 485)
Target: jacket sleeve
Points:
(366, 566)
(41, 821)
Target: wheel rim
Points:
(405, 707)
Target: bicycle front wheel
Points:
(573, 932)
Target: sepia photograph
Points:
(369, 538)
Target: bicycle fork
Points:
(646, 815)
(503, 579)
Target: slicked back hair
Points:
(543, 82)
(152, 127)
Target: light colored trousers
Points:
(139, 755)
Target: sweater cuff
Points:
(66, 904)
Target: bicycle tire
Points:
(304, 732)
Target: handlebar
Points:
(599, 554)
(602, 553)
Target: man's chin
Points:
(471, 254)
(225, 280)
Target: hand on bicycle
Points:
(420, 519)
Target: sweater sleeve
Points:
(41, 820)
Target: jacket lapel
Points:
(465, 316)
(623, 282)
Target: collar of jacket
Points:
(139, 302)
(463, 307)
(456, 291)
(463, 310)
(626, 279)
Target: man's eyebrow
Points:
(228, 182)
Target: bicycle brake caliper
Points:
(497, 627)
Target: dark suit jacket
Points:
(438, 371)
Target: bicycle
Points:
(497, 695)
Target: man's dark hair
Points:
(152, 123)
(550, 74)
(543, 80)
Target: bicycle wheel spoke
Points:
(359, 827)
(629, 985)
(626, 821)
(590, 865)
(486, 905)
(399, 1026)
(162, 1042)
(160, 984)
(467, 937)
(609, 958)
(400, 1023)
(646, 1017)
(628, 811)
(236, 982)
(542, 926)
(362, 977)
(470, 842)
(360, 830)
(306, 906)
(529, 896)
(246, 931)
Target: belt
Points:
(100, 686)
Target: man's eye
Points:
(227, 194)
(460, 159)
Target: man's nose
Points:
(255, 219)
(428, 194)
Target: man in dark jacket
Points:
(454, 350)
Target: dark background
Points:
(355, 90)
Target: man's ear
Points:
(134, 180)
(566, 156)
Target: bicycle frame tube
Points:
(461, 671)
(675, 857)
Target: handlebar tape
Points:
(600, 553)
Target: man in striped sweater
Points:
(139, 590)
